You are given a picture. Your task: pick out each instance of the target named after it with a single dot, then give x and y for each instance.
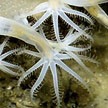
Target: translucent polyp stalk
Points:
(55, 3)
(98, 13)
(14, 29)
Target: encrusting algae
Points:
(52, 55)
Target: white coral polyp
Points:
(60, 51)
(57, 8)
(46, 63)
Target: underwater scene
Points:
(53, 53)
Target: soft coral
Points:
(57, 8)
(59, 51)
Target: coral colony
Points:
(50, 53)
